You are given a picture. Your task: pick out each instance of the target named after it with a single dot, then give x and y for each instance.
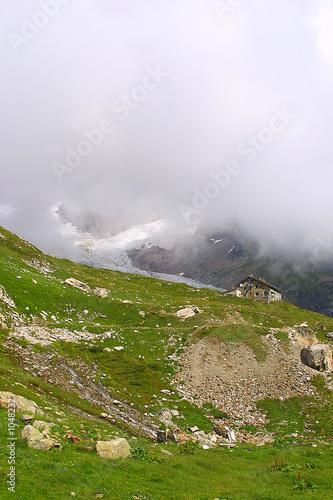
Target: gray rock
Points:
(231, 436)
(161, 436)
(222, 430)
(318, 357)
(21, 403)
(205, 442)
(165, 416)
(306, 336)
(171, 436)
(43, 427)
(101, 292)
(116, 449)
(78, 284)
(37, 441)
(27, 418)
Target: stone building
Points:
(255, 289)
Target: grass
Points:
(202, 475)
(140, 313)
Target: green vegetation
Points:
(139, 316)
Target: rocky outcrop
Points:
(318, 357)
(306, 336)
(38, 441)
(116, 449)
(78, 284)
(230, 376)
(46, 336)
(165, 416)
(21, 404)
(4, 297)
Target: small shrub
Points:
(188, 448)
(303, 483)
(277, 464)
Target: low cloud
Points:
(86, 69)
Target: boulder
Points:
(101, 292)
(161, 436)
(27, 418)
(318, 357)
(188, 312)
(205, 443)
(185, 313)
(116, 449)
(165, 416)
(43, 427)
(21, 404)
(37, 441)
(267, 439)
(306, 336)
(78, 284)
(222, 430)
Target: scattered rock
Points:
(21, 403)
(161, 436)
(36, 440)
(4, 297)
(167, 452)
(78, 284)
(267, 439)
(194, 429)
(27, 418)
(205, 442)
(142, 314)
(101, 292)
(104, 415)
(229, 376)
(171, 436)
(43, 427)
(75, 439)
(222, 430)
(46, 336)
(119, 348)
(318, 357)
(165, 416)
(116, 449)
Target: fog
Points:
(212, 113)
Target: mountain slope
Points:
(114, 344)
(222, 259)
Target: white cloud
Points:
(323, 22)
(6, 211)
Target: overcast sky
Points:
(182, 91)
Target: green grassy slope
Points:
(140, 313)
